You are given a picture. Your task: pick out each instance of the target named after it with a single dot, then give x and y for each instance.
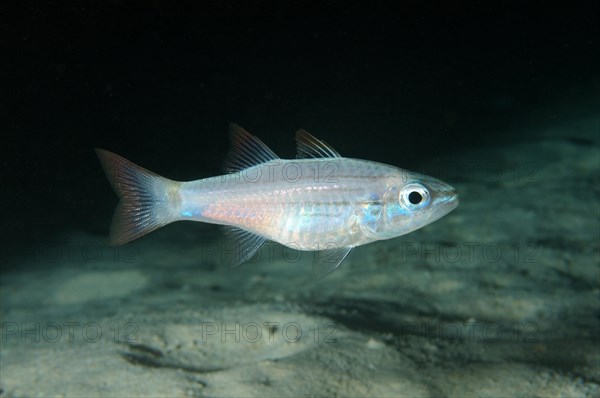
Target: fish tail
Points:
(145, 198)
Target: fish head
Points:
(410, 201)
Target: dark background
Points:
(158, 82)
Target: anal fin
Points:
(242, 246)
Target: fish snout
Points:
(448, 199)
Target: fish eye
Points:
(414, 196)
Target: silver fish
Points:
(320, 201)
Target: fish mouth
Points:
(445, 197)
(453, 199)
(448, 200)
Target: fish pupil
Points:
(415, 197)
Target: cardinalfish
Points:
(320, 201)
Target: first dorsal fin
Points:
(246, 150)
(312, 147)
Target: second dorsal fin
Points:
(246, 150)
(309, 146)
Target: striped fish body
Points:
(305, 204)
(320, 201)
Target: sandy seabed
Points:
(499, 298)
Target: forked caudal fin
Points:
(145, 198)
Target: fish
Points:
(320, 201)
